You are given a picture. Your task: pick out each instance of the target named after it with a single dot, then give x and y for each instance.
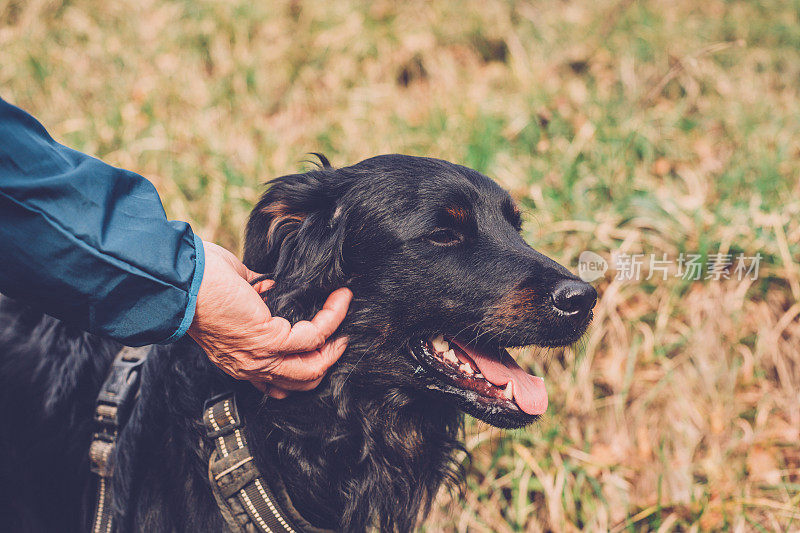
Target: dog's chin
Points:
(485, 383)
(498, 414)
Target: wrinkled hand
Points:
(239, 334)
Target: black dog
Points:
(442, 282)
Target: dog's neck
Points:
(369, 446)
(353, 453)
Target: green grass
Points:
(641, 127)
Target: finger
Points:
(260, 385)
(270, 390)
(277, 393)
(298, 386)
(306, 336)
(254, 277)
(263, 285)
(296, 371)
(333, 312)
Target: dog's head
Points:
(443, 281)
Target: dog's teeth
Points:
(450, 355)
(465, 368)
(439, 344)
(479, 375)
(508, 392)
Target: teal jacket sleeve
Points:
(90, 244)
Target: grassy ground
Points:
(641, 127)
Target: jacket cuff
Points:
(194, 288)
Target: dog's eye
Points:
(445, 237)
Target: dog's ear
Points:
(296, 232)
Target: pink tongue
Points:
(530, 394)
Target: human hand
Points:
(233, 325)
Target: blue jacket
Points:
(89, 243)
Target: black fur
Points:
(375, 441)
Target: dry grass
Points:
(653, 127)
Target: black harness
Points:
(111, 412)
(248, 501)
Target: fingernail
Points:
(259, 385)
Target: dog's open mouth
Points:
(485, 377)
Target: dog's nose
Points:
(574, 297)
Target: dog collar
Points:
(247, 501)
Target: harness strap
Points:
(112, 409)
(246, 500)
